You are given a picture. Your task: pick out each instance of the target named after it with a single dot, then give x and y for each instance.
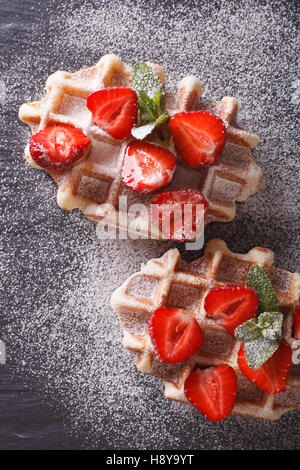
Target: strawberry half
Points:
(175, 335)
(272, 375)
(179, 214)
(232, 305)
(147, 167)
(114, 110)
(297, 323)
(212, 391)
(199, 136)
(57, 147)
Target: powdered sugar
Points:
(57, 277)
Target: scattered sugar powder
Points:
(57, 277)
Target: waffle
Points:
(94, 185)
(170, 281)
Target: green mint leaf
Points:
(248, 331)
(151, 99)
(144, 79)
(259, 281)
(261, 337)
(147, 107)
(161, 119)
(270, 325)
(157, 101)
(257, 352)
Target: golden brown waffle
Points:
(170, 281)
(92, 184)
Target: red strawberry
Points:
(297, 323)
(175, 335)
(147, 167)
(199, 136)
(57, 147)
(232, 305)
(212, 391)
(114, 110)
(272, 375)
(179, 214)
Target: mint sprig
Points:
(151, 99)
(261, 335)
(259, 281)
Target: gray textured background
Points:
(56, 390)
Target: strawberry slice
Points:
(232, 305)
(212, 391)
(199, 136)
(179, 214)
(59, 146)
(272, 375)
(175, 335)
(297, 323)
(147, 167)
(114, 110)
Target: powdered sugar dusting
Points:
(57, 277)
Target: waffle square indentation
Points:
(170, 372)
(143, 287)
(200, 266)
(133, 320)
(75, 108)
(94, 189)
(104, 153)
(280, 279)
(233, 270)
(235, 156)
(289, 397)
(247, 391)
(184, 296)
(223, 190)
(216, 342)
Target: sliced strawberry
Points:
(297, 323)
(212, 391)
(179, 214)
(147, 167)
(114, 110)
(272, 375)
(57, 147)
(199, 136)
(232, 305)
(175, 335)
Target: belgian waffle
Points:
(170, 281)
(94, 185)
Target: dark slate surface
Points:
(29, 417)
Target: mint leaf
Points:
(270, 324)
(261, 337)
(259, 281)
(259, 351)
(248, 331)
(161, 119)
(151, 99)
(147, 107)
(143, 78)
